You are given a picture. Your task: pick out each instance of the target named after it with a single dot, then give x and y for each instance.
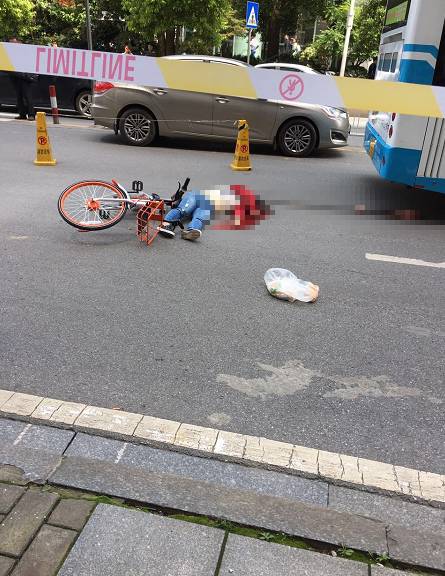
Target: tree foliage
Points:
(56, 23)
(16, 18)
(208, 24)
(165, 18)
(46, 21)
(280, 17)
(367, 31)
(326, 50)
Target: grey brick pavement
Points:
(121, 542)
(249, 557)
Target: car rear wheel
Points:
(297, 138)
(137, 127)
(83, 103)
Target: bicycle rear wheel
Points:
(92, 205)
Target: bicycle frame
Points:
(138, 200)
(108, 202)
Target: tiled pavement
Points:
(39, 524)
(39, 531)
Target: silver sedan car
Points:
(142, 113)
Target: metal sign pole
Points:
(252, 11)
(349, 24)
(88, 23)
(248, 45)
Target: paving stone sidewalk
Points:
(37, 528)
(92, 506)
(40, 528)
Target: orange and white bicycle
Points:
(96, 205)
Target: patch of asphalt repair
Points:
(294, 377)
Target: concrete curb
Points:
(360, 473)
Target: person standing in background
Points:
(372, 69)
(23, 84)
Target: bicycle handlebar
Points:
(176, 198)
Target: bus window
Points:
(397, 12)
(395, 55)
(387, 62)
(380, 63)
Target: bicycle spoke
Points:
(88, 204)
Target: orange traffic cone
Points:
(241, 160)
(44, 155)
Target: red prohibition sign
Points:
(42, 140)
(291, 87)
(243, 148)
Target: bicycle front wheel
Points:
(92, 205)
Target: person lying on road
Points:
(236, 208)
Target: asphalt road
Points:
(187, 331)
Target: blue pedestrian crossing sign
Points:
(252, 11)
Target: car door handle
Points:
(222, 100)
(159, 91)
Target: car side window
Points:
(225, 63)
(292, 69)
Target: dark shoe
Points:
(167, 229)
(20, 118)
(31, 118)
(191, 234)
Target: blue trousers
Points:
(194, 205)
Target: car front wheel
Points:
(137, 127)
(297, 138)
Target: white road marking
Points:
(121, 453)
(410, 261)
(20, 436)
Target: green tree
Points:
(65, 23)
(165, 18)
(16, 18)
(280, 17)
(325, 52)
(367, 31)
(329, 44)
(56, 23)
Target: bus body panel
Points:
(410, 149)
(422, 38)
(392, 163)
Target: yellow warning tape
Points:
(225, 80)
(389, 96)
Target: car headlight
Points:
(334, 112)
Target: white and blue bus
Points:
(410, 149)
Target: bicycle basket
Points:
(148, 219)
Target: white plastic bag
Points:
(283, 284)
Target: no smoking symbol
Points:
(244, 148)
(291, 87)
(42, 140)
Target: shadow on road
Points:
(381, 199)
(204, 145)
(372, 196)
